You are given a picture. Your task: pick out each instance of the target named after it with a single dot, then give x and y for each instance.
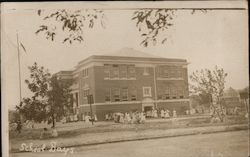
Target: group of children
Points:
(160, 113)
(74, 118)
(132, 117)
(138, 117)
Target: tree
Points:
(50, 97)
(244, 95)
(203, 99)
(36, 107)
(59, 95)
(151, 23)
(211, 82)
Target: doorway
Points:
(148, 108)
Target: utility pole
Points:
(19, 71)
(90, 102)
(19, 63)
(155, 87)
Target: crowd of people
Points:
(74, 118)
(139, 117)
(132, 117)
(162, 113)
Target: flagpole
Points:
(20, 85)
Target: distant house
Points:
(128, 80)
(231, 97)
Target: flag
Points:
(23, 47)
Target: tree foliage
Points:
(36, 107)
(39, 80)
(71, 22)
(151, 23)
(210, 83)
(154, 23)
(59, 96)
(49, 96)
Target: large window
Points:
(147, 91)
(179, 73)
(85, 72)
(108, 95)
(131, 71)
(172, 73)
(159, 71)
(167, 92)
(107, 71)
(85, 92)
(133, 94)
(116, 94)
(123, 71)
(115, 71)
(174, 92)
(181, 92)
(124, 94)
(119, 71)
(146, 71)
(165, 72)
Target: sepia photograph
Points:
(125, 79)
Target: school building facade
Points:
(128, 81)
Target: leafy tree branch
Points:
(151, 23)
(72, 22)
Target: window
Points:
(131, 71)
(107, 95)
(146, 91)
(172, 73)
(166, 72)
(124, 94)
(106, 71)
(133, 94)
(181, 92)
(179, 73)
(115, 71)
(123, 71)
(116, 94)
(159, 71)
(85, 92)
(167, 93)
(85, 72)
(173, 92)
(146, 71)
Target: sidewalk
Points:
(121, 136)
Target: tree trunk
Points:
(217, 113)
(53, 121)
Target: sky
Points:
(218, 37)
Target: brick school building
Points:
(128, 80)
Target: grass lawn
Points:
(68, 130)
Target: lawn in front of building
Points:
(76, 128)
